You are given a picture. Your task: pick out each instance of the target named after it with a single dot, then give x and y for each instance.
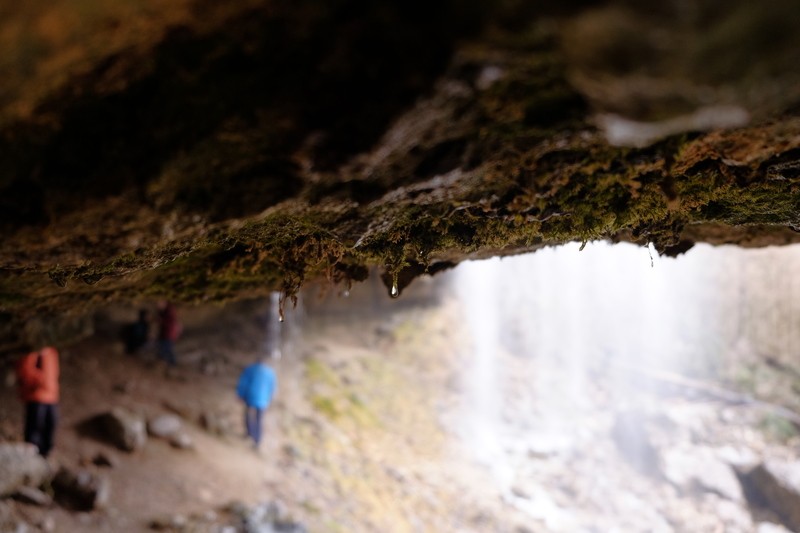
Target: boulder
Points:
(697, 469)
(122, 428)
(164, 426)
(21, 466)
(778, 483)
(81, 490)
(270, 517)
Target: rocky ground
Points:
(375, 429)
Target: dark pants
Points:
(252, 421)
(166, 351)
(40, 425)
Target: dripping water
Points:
(274, 329)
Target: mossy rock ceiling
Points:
(204, 151)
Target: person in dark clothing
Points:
(169, 329)
(256, 388)
(137, 333)
(37, 375)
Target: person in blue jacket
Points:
(256, 388)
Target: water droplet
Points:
(346, 294)
(281, 302)
(395, 292)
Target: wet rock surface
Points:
(778, 484)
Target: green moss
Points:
(778, 428)
(318, 372)
(326, 406)
(534, 171)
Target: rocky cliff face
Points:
(201, 151)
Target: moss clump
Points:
(778, 428)
(326, 406)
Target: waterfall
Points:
(563, 349)
(478, 288)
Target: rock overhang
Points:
(237, 150)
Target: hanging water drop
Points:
(281, 302)
(273, 343)
(395, 292)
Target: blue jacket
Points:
(256, 386)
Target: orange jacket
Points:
(37, 374)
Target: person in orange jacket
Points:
(37, 375)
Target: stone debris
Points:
(21, 466)
(698, 470)
(164, 426)
(172, 522)
(81, 490)
(236, 517)
(778, 482)
(215, 423)
(270, 517)
(769, 527)
(734, 516)
(182, 441)
(33, 496)
(122, 428)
